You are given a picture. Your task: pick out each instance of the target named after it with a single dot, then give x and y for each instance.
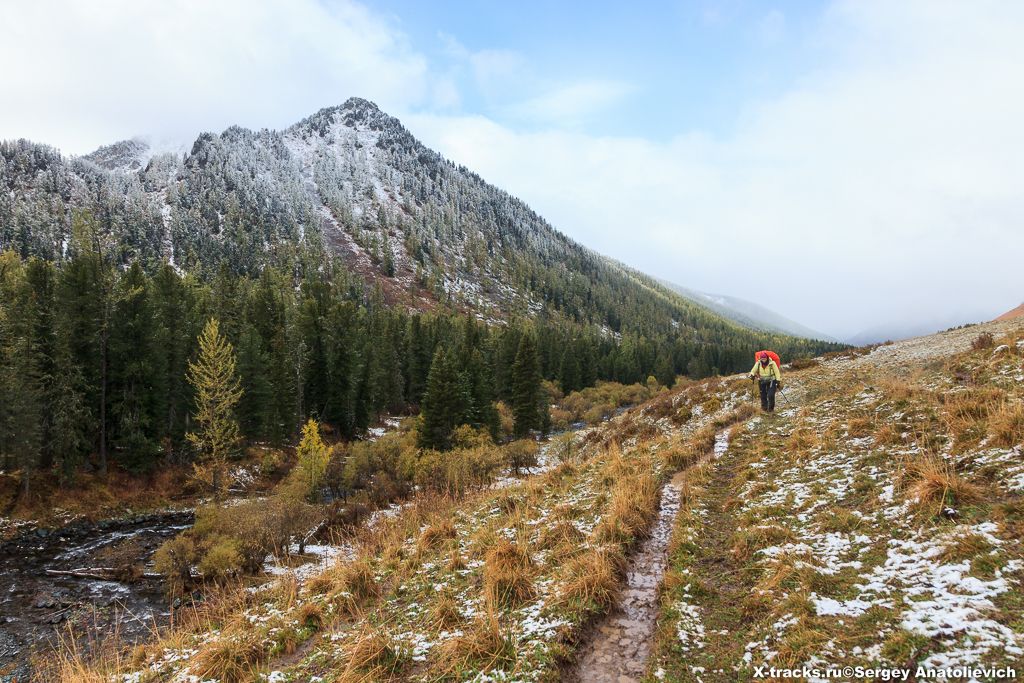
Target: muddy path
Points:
(41, 596)
(621, 643)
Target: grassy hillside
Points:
(874, 520)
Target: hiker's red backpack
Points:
(771, 354)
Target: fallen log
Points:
(99, 573)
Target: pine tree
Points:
(417, 359)
(526, 388)
(218, 390)
(254, 408)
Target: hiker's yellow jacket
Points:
(767, 372)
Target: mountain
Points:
(1013, 313)
(747, 313)
(351, 185)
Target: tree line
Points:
(95, 353)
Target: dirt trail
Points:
(621, 645)
(721, 576)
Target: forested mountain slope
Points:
(339, 256)
(348, 182)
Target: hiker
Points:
(769, 377)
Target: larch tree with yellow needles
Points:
(218, 389)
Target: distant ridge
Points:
(747, 313)
(1013, 313)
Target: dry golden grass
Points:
(861, 426)
(801, 641)
(311, 615)
(372, 656)
(480, 648)
(435, 535)
(456, 561)
(631, 510)
(69, 662)
(904, 388)
(508, 574)
(779, 574)
(887, 435)
(347, 585)
(933, 485)
(802, 440)
(232, 657)
(1006, 425)
(445, 613)
(592, 579)
(562, 537)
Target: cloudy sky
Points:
(849, 164)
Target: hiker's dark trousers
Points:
(768, 387)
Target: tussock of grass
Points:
(1007, 425)
(563, 537)
(481, 647)
(508, 571)
(455, 561)
(887, 435)
(372, 656)
(802, 440)
(861, 426)
(436, 534)
(231, 658)
(632, 508)
(933, 485)
(445, 612)
(311, 615)
(592, 579)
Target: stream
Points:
(38, 605)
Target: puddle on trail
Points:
(621, 643)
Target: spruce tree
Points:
(176, 328)
(135, 383)
(21, 392)
(569, 371)
(526, 388)
(218, 390)
(664, 370)
(444, 403)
